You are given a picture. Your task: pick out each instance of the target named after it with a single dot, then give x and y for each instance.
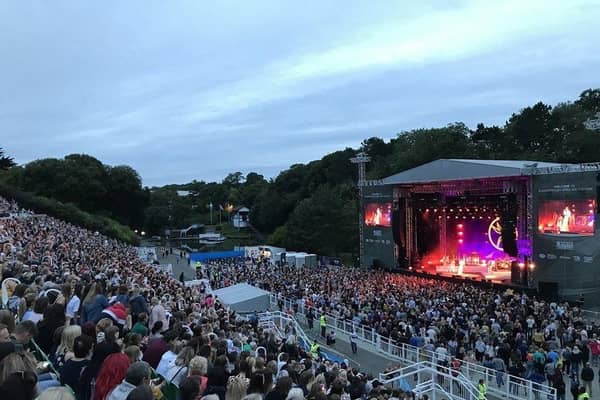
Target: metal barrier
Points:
(427, 378)
(512, 387)
(590, 315)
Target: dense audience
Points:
(510, 332)
(112, 327)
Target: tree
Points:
(126, 199)
(234, 179)
(323, 223)
(589, 100)
(421, 146)
(6, 162)
(529, 132)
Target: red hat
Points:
(117, 313)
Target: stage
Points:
(478, 272)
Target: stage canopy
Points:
(459, 169)
(244, 298)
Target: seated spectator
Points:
(137, 374)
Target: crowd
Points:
(512, 333)
(84, 319)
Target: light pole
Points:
(361, 159)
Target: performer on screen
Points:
(377, 217)
(565, 220)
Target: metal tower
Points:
(361, 159)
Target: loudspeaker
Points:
(515, 273)
(508, 221)
(548, 290)
(377, 264)
(399, 231)
(398, 220)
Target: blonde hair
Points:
(67, 338)
(56, 393)
(16, 362)
(259, 363)
(103, 324)
(236, 388)
(198, 366)
(133, 352)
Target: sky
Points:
(196, 89)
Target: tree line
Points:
(313, 206)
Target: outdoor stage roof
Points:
(458, 169)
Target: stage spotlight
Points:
(531, 266)
(460, 241)
(459, 226)
(460, 233)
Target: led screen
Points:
(575, 217)
(378, 214)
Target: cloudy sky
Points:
(184, 90)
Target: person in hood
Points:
(137, 374)
(117, 312)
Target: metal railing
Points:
(506, 386)
(427, 378)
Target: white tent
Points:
(243, 298)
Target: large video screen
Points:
(378, 214)
(574, 217)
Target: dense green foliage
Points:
(69, 213)
(82, 180)
(312, 206)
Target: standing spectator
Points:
(53, 319)
(137, 304)
(71, 371)
(575, 360)
(323, 324)
(158, 313)
(72, 297)
(594, 344)
(587, 377)
(354, 342)
(137, 374)
(94, 303)
(112, 373)
(310, 318)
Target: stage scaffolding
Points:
(467, 190)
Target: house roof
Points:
(459, 169)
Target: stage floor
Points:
(470, 272)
